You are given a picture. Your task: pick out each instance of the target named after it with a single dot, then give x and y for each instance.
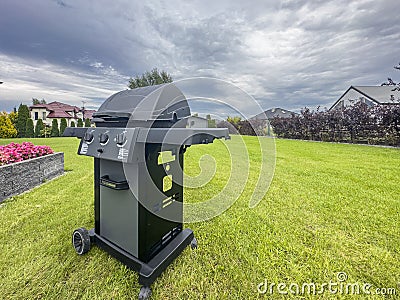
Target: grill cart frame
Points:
(138, 220)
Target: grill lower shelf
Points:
(148, 272)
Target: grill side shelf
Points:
(181, 136)
(78, 132)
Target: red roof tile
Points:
(89, 113)
(62, 106)
(60, 110)
(59, 114)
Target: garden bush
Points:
(29, 129)
(55, 131)
(14, 152)
(63, 125)
(378, 124)
(7, 129)
(38, 128)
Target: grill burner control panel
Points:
(118, 144)
(108, 143)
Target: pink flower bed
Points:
(18, 152)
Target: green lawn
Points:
(330, 208)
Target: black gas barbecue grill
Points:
(138, 146)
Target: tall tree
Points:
(23, 115)
(63, 125)
(54, 128)
(80, 123)
(7, 129)
(391, 82)
(38, 128)
(211, 122)
(153, 77)
(37, 101)
(87, 122)
(29, 131)
(13, 116)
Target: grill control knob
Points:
(88, 137)
(103, 138)
(121, 138)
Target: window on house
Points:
(36, 115)
(44, 115)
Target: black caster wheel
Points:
(145, 293)
(81, 241)
(193, 243)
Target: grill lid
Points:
(164, 102)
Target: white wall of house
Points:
(59, 121)
(40, 113)
(79, 115)
(197, 122)
(351, 97)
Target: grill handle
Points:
(115, 185)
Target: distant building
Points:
(370, 95)
(58, 110)
(197, 122)
(272, 113)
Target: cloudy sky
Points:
(289, 53)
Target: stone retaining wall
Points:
(19, 177)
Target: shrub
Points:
(45, 132)
(63, 125)
(29, 129)
(378, 124)
(13, 116)
(225, 124)
(23, 115)
(87, 122)
(72, 124)
(245, 127)
(38, 128)
(80, 123)
(18, 152)
(54, 128)
(7, 129)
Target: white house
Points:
(57, 110)
(197, 122)
(271, 113)
(370, 95)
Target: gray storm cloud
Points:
(284, 53)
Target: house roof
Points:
(59, 114)
(62, 106)
(60, 110)
(89, 113)
(377, 94)
(274, 112)
(55, 105)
